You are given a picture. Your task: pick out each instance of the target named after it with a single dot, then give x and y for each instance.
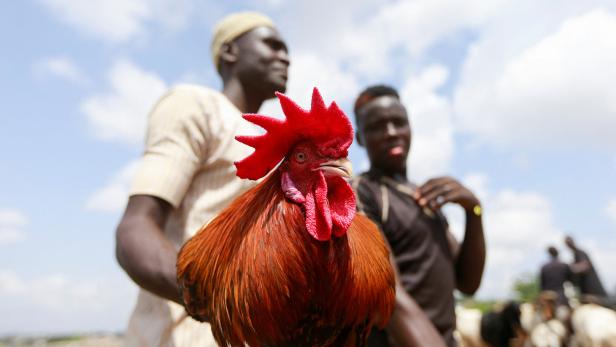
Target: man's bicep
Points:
(140, 229)
(144, 217)
(143, 250)
(454, 245)
(148, 207)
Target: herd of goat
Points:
(538, 324)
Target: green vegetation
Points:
(526, 287)
(482, 305)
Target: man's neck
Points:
(396, 175)
(245, 101)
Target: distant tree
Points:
(483, 305)
(526, 287)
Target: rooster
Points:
(289, 262)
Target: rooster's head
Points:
(313, 147)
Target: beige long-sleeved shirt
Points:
(188, 161)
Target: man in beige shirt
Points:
(186, 175)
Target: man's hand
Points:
(436, 192)
(580, 267)
(470, 261)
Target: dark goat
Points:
(498, 328)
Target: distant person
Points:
(553, 276)
(186, 175)
(586, 278)
(430, 261)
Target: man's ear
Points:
(229, 52)
(358, 137)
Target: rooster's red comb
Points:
(327, 127)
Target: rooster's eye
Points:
(300, 157)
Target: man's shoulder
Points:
(373, 181)
(189, 103)
(196, 91)
(364, 181)
(555, 264)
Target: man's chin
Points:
(278, 82)
(280, 86)
(272, 92)
(391, 165)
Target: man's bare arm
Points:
(142, 249)
(409, 326)
(472, 255)
(470, 261)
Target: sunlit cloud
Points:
(113, 21)
(61, 67)
(113, 196)
(118, 21)
(12, 223)
(610, 210)
(518, 225)
(120, 113)
(430, 118)
(63, 303)
(554, 91)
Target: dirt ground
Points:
(77, 341)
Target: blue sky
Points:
(514, 98)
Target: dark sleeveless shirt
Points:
(418, 240)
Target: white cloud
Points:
(63, 303)
(550, 85)
(519, 226)
(430, 117)
(413, 25)
(113, 196)
(12, 217)
(118, 21)
(61, 67)
(12, 223)
(175, 14)
(477, 183)
(111, 20)
(518, 218)
(610, 210)
(367, 36)
(120, 114)
(307, 71)
(10, 284)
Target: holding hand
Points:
(436, 192)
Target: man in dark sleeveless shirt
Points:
(585, 274)
(553, 275)
(431, 264)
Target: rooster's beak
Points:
(340, 167)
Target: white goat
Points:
(468, 327)
(593, 326)
(540, 333)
